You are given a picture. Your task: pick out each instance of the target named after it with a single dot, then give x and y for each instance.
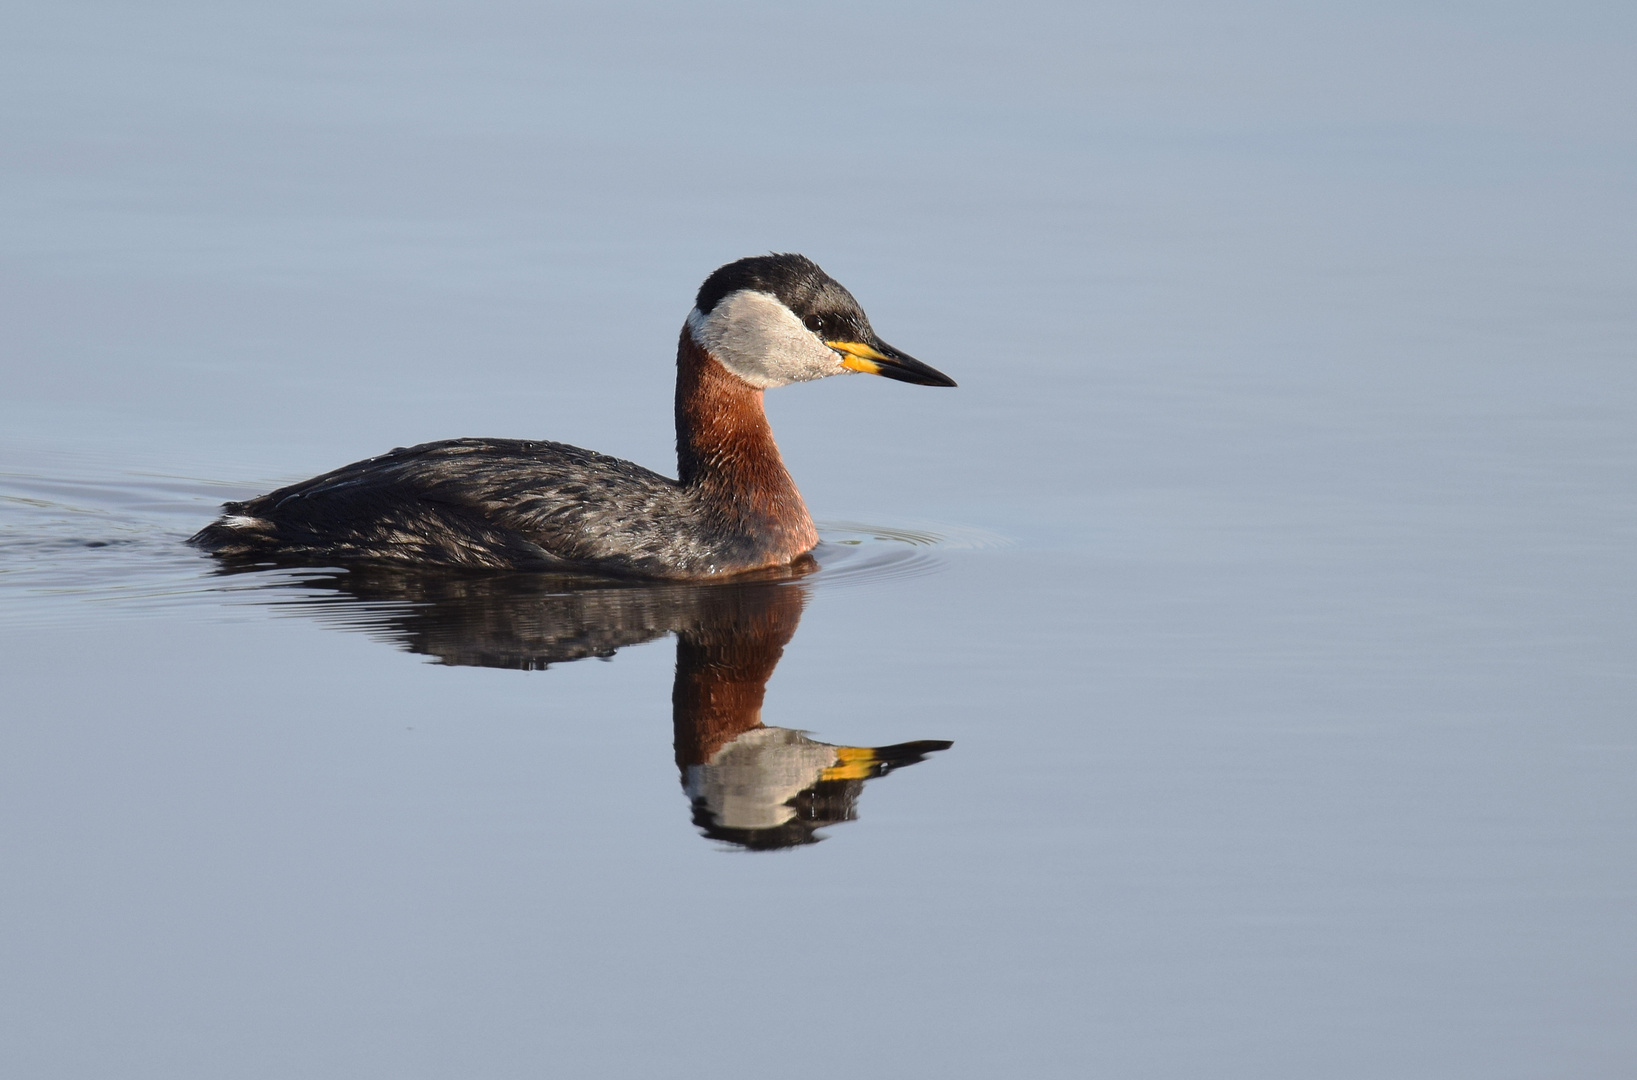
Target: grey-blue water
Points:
(1271, 572)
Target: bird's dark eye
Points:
(815, 324)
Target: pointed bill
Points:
(879, 358)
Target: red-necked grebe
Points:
(527, 505)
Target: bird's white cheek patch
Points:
(761, 341)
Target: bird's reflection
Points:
(750, 785)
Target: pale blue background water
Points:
(1294, 721)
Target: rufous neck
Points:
(726, 456)
(723, 440)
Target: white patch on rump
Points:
(243, 521)
(761, 341)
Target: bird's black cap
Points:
(816, 298)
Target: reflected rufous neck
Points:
(725, 450)
(723, 664)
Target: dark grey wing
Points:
(491, 503)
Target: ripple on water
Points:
(113, 542)
(853, 553)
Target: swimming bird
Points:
(757, 323)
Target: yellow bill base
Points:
(857, 356)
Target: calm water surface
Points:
(1232, 678)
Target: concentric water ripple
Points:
(852, 553)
